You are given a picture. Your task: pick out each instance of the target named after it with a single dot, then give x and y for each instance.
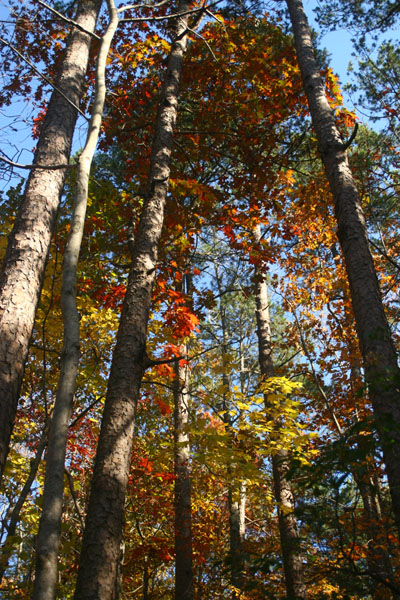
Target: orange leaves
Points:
(181, 320)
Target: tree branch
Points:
(39, 74)
(69, 21)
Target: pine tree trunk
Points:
(288, 530)
(183, 507)
(105, 518)
(53, 494)
(28, 245)
(377, 349)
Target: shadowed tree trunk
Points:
(105, 518)
(288, 530)
(374, 335)
(53, 494)
(28, 245)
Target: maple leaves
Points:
(240, 159)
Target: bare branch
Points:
(67, 20)
(48, 167)
(39, 74)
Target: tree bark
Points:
(288, 530)
(104, 523)
(28, 245)
(183, 506)
(374, 335)
(53, 494)
(237, 531)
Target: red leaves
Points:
(37, 123)
(182, 321)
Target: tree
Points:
(50, 521)
(379, 356)
(102, 538)
(288, 528)
(28, 245)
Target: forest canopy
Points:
(199, 302)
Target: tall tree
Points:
(183, 507)
(98, 568)
(50, 522)
(377, 348)
(288, 528)
(28, 245)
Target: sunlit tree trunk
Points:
(377, 349)
(105, 518)
(28, 245)
(288, 529)
(53, 494)
(183, 507)
(236, 490)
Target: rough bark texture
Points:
(183, 507)
(28, 245)
(288, 530)
(100, 554)
(377, 349)
(53, 494)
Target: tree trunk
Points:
(236, 493)
(379, 563)
(53, 494)
(183, 507)
(237, 530)
(377, 349)
(28, 245)
(104, 523)
(288, 530)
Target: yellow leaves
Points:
(279, 386)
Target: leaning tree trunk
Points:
(183, 506)
(53, 494)
(374, 335)
(100, 554)
(288, 530)
(28, 245)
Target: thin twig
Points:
(205, 41)
(132, 6)
(74, 498)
